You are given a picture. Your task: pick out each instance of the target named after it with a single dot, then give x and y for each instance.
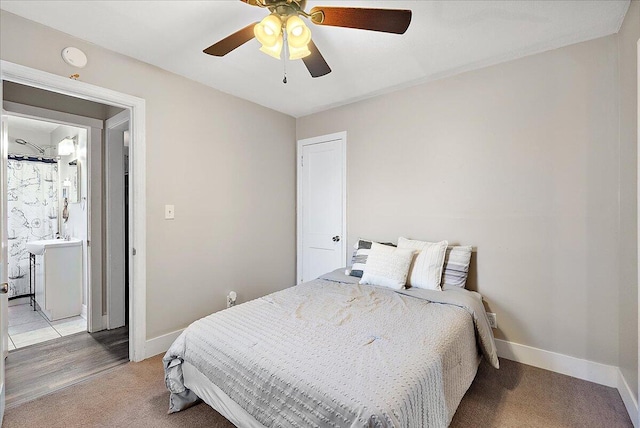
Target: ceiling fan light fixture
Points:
(298, 34)
(284, 24)
(268, 30)
(274, 50)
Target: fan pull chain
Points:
(285, 72)
(284, 60)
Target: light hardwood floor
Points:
(40, 369)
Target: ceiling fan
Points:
(283, 27)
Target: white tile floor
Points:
(27, 327)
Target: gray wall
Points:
(628, 250)
(227, 165)
(519, 160)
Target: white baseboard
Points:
(602, 374)
(160, 344)
(629, 400)
(83, 313)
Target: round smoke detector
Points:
(74, 56)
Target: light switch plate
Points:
(169, 212)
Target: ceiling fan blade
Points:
(231, 42)
(315, 62)
(385, 20)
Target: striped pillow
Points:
(426, 269)
(360, 255)
(456, 266)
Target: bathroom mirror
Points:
(71, 183)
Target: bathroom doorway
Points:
(52, 318)
(134, 340)
(46, 213)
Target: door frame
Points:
(638, 216)
(137, 172)
(342, 138)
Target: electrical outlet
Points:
(493, 319)
(231, 299)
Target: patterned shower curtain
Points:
(32, 206)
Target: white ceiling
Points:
(444, 38)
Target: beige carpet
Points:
(133, 395)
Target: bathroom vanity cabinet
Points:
(58, 277)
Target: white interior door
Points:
(4, 326)
(321, 205)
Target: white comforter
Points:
(334, 354)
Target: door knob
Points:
(336, 238)
(4, 288)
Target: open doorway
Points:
(60, 300)
(15, 73)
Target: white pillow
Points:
(359, 259)
(426, 269)
(387, 266)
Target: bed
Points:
(334, 353)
